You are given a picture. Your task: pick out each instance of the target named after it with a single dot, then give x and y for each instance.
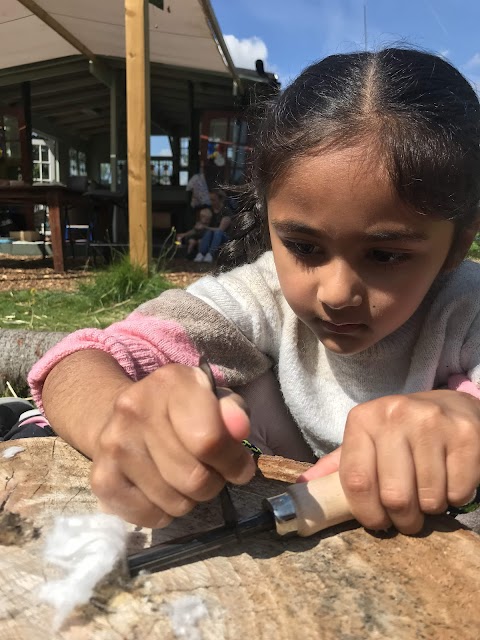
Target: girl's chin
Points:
(343, 349)
(345, 344)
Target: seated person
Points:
(216, 235)
(191, 238)
(199, 188)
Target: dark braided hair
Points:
(419, 111)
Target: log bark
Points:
(342, 584)
(19, 350)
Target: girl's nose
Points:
(339, 286)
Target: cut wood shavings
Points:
(11, 452)
(184, 614)
(87, 547)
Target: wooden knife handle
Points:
(308, 507)
(319, 504)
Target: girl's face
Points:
(354, 262)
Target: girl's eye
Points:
(388, 257)
(301, 248)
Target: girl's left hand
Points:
(407, 455)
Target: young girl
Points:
(352, 291)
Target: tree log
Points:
(19, 350)
(342, 584)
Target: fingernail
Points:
(468, 502)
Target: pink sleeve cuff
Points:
(460, 382)
(140, 344)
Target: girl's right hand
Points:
(169, 444)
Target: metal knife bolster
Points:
(284, 513)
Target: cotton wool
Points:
(87, 548)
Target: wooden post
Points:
(113, 133)
(194, 148)
(175, 145)
(57, 229)
(27, 164)
(26, 150)
(138, 131)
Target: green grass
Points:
(474, 251)
(110, 296)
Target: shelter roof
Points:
(36, 30)
(190, 64)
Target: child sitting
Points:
(192, 238)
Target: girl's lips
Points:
(342, 328)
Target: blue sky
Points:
(292, 33)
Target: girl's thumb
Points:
(235, 415)
(326, 465)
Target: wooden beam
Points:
(182, 96)
(80, 118)
(51, 128)
(175, 71)
(138, 131)
(94, 131)
(195, 74)
(62, 85)
(68, 100)
(101, 72)
(85, 128)
(64, 33)
(42, 70)
(96, 66)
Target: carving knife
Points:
(303, 509)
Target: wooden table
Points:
(55, 196)
(343, 583)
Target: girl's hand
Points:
(169, 444)
(407, 455)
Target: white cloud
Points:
(244, 52)
(474, 62)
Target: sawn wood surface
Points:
(344, 584)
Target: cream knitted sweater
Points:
(320, 387)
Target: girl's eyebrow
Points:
(290, 226)
(414, 236)
(294, 227)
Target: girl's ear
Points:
(461, 244)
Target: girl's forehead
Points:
(344, 176)
(354, 163)
(346, 192)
